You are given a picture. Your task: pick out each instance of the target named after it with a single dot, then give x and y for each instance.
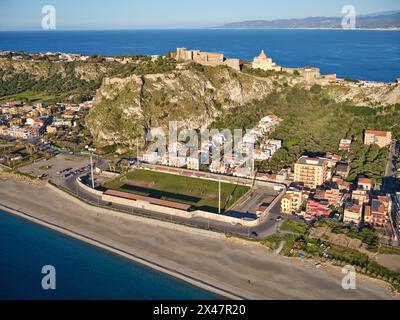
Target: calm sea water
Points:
(370, 55)
(82, 271)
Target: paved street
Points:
(267, 227)
(78, 165)
(389, 182)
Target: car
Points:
(254, 235)
(278, 219)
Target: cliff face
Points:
(70, 79)
(370, 97)
(194, 96)
(126, 107)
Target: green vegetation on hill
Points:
(161, 65)
(313, 123)
(369, 161)
(261, 73)
(67, 80)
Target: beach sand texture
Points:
(203, 258)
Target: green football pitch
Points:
(199, 193)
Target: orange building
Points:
(377, 214)
(317, 209)
(360, 196)
(380, 138)
(353, 213)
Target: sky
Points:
(139, 14)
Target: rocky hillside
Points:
(371, 97)
(195, 96)
(63, 80)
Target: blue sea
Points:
(82, 271)
(358, 54)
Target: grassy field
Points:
(200, 194)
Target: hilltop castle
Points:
(206, 58)
(262, 61)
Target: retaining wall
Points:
(87, 188)
(177, 212)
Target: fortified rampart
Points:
(206, 58)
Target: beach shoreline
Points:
(178, 250)
(119, 252)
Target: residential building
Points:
(342, 184)
(377, 214)
(332, 159)
(360, 196)
(365, 184)
(343, 169)
(230, 159)
(175, 147)
(177, 161)
(333, 196)
(316, 209)
(149, 157)
(193, 162)
(380, 138)
(291, 202)
(218, 167)
(311, 171)
(283, 175)
(261, 155)
(353, 213)
(345, 145)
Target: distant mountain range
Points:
(382, 20)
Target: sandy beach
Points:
(233, 268)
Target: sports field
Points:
(200, 194)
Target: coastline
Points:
(151, 264)
(337, 29)
(204, 259)
(200, 28)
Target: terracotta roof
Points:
(378, 133)
(365, 181)
(354, 208)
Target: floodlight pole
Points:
(91, 169)
(219, 196)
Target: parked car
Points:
(254, 235)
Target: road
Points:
(389, 182)
(267, 227)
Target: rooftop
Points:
(378, 133)
(365, 181)
(312, 161)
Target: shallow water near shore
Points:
(82, 271)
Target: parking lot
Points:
(248, 206)
(58, 168)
